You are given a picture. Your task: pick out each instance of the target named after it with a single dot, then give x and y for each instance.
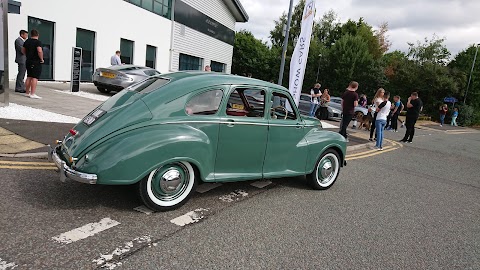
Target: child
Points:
(454, 117)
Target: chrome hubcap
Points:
(327, 169)
(171, 181)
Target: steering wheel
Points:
(282, 108)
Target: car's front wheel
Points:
(168, 187)
(326, 170)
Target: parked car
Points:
(116, 78)
(304, 107)
(174, 130)
(336, 102)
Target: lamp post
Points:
(318, 69)
(285, 44)
(471, 71)
(4, 16)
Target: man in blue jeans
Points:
(382, 113)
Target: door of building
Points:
(46, 29)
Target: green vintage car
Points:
(171, 131)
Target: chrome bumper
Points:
(69, 173)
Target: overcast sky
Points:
(409, 20)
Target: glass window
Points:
(246, 102)
(86, 41)
(149, 85)
(305, 98)
(206, 103)
(284, 109)
(160, 7)
(47, 36)
(188, 62)
(217, 66)
(151, 57)
(126, 48)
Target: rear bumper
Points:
(68, 173)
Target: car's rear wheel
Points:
(103, 90)
(168, 187)
(326, 170)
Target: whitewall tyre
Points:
(168, 187)
(326, 170)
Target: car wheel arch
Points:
(193, 162)
(334, 147)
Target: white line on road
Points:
(261, 184)
(234, 196)
(85, 231)
(105, 260)
(190, 217)
(4, 265)
(207, 187)
(143, 209)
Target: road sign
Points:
(450, 100)
(76, 69)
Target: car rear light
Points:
(73, 132)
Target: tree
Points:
(381, 35)
(430, 51)
(251, 55)
(462, 63)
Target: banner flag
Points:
(298, 62)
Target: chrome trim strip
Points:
(69, 173)
(236, 123)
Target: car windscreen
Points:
(148, 85)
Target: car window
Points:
(151, 72)
(282, 107)
(246, 102)
(305, 97)
(148, 85)
(205, 103)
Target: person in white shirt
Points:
(315, 93)
(115, 60)
(382, 112)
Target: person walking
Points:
(115, 59)
(382, 113)
(324, 101)
(414, 107)
(443, 113)
(349, 102)
(454, 117)
(315, 93)
(377, 99)
(398, 107)
(20, 59)
(32, 48)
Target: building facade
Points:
(168, 35)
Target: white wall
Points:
(197, 44)
(110, 19)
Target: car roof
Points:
(204, 79)
(127, 67)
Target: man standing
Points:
(115, 60)
(20, 59)
(398, 107)
(315, 93)
(414, 107)
(349, 102)
(32, 48)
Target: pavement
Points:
(29, 125)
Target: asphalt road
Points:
(416, 207)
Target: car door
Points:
(242, 136)
(286, 152)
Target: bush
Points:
(467, 115)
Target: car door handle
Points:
(299, 126)
(230, 123)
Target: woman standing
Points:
(324, 100)
(382, 112)
(314, 101)
(375, 103)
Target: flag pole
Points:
(285, 44)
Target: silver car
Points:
(304, 107)
(116, 78)
(336, 102)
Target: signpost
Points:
(450, 100)
(76, 69)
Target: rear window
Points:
(148, 85)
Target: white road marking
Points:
(4, 265)
(85, 231)
(261, 184)
(234, 196)
(207, 187)
(190, 217)
(143, 209)
(105, 260)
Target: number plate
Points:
(108, 75)
(238, 106)
(89, 119)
